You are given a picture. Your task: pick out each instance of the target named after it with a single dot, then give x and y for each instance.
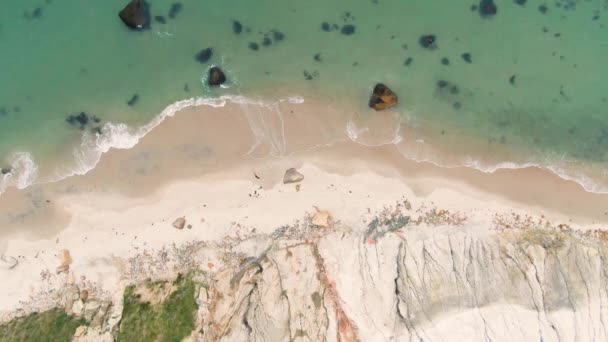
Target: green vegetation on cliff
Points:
(171, 319)
(52, 326)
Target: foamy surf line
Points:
(24, 170)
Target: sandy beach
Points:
(222, 171)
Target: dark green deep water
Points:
(535, 82)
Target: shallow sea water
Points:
(535, 84)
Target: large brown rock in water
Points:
(216, 77)
(382, 97)
(136, 15)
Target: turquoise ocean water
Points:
(532, 78)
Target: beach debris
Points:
(467, 57)
(84, 294)
(382, 97)
(428, 41)
(133, 100)
(348, 30)
(204, 55)
(62, 268)
(179, 223)
(487, 8)
(321, 218)
(292, 176)
(136, 15)
(216, 77)
(8, 262)
(6, 170)
(237, 27)
(174, 10)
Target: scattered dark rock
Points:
(186, 87)
(335, 26)
(266, 41)
(348, 29)
(408, 61)
(81, 119)
(174, 10)
(6, 170)
(317, 57)
(133, 100)
(237, 27)
(309, 76)
(216, 77)
(454, 89)
(16, 109)
(96, 130)
(445, 61)
(160, 19)
(204, 55)
(520, 2)
(136, 15)
(325, 26)
(37, 13)
(487, 8)
(3, 111)
(543, 9)
(442, 83)
(382, 97)
(254, 46)
(512, 79)
(456, 105)
(473, 8)
(428, 41)
(278, 35)
(467, 57)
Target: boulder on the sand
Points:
(136, 15)
(84, 294)
(216, 77)
(292, 176)
(382, 97)
(179, 223)
(321, 218)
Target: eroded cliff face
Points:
(440, 285)
(403, 275)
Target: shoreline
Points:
(127, 204)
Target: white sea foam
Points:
(120, 136)
(23, 172)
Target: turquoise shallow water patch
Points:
(532, 77)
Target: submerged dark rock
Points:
(3, 111)
(487, 8)
(520, 2)
(237, 27)
(512, 79)
(204, 55)
(216, 77)
(37, 13)
(6, 170)
(445, 61)
(456, 105)
(174, 10)
(81, 119)
(348, 29)
(254, 46)
(133, 100)
(382, 97)
(408, 61)
(278, 35)
(543, 9)
(160, 19)
(317, 57)
(467, 57)
(442, 83)
(136, 15)
(325, 26)
(428, 41)
(266, 41)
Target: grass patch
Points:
(53, 325)
(548, 239)
(171, 320)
